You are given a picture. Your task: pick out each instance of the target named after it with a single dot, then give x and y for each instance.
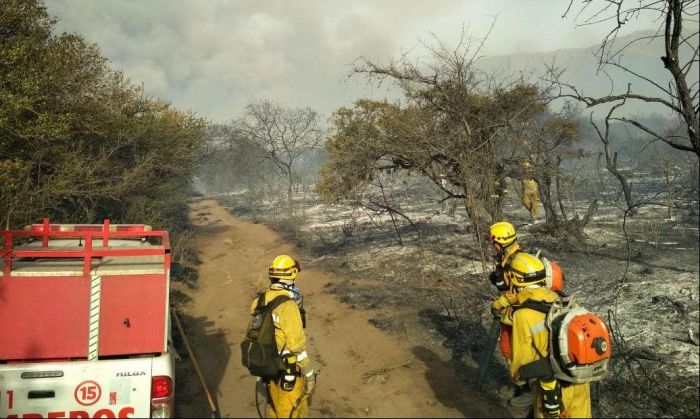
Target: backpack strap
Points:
(540, 306)
(537, 305)
(261, 301)
(509, 259)
(272, 304)
(277, 301)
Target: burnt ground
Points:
(433, 286)
(364, 371)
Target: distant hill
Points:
(581, 64)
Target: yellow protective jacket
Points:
(289, 330)
(530, 336)
(531, 199)
(290, 337)
(530, 186)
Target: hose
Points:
(300, 399)
(489, 347)
(296, 404)
(257, 402)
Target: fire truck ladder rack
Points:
(87, 233)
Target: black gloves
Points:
(497, 279)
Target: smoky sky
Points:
(213, 57)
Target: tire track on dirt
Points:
(365, 372)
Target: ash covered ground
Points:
(639, 273)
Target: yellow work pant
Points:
(281, 402)
(576, 398)
(531, 201)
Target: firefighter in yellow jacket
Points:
(503, 236)
(531, 194)
(552, 398)
(288, 396)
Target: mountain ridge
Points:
(581, 69)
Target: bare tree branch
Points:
(679, 97)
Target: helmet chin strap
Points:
(506, 246)
(286, 284)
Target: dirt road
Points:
(365, 372)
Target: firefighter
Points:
(531, 194)
(530, 342)
(288, 396)
(503, 236)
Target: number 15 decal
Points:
(87, 393)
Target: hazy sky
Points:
(215, 56)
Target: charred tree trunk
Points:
(545, 189)
(611, 158)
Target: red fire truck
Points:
(84, 322)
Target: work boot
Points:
(522, 398)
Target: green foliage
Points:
(468, 145)
(465, 130)
(361, 139)
(78, 142)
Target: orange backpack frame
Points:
(579, 343)
(554, 277)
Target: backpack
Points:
(579, 343)
(554, 277)
(259, 349)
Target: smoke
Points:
(215, 57)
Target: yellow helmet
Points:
(284, 267)
(502, 233)
(527, 166)
(524, 269)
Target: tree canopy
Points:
(456, 123)
(78, 141)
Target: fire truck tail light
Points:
(161, 387)
(161, 397)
